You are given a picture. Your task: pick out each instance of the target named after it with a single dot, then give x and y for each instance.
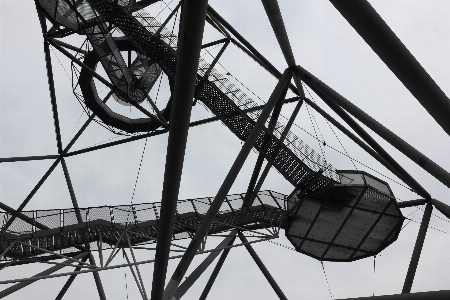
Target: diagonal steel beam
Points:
(30, 195)
(411, 203)
(442, 207)
(262, 267)
(239, 37)
(71, 191)
(96, 275)
(214, 274)
(193, 15)
(98, 282)
(276, 20)
(23, 284)
(122, 141)
(190, 280)
(88, 270)
(37, 259)
(27, 158)
(417, 249)
(264, 174)
(136, 266)
(210, 216)
(423, 161)
(138, 284)
(22, 216)
(435, 295)
(69, 281)
(272, 123)
(51, 84)
(383, 41)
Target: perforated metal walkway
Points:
(61, 229)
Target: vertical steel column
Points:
(202, 231)
(214, 274)
(190, 36)
(383, 41)
(417, 249)
(262, 267)
(49, 271)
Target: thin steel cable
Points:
(139, 171)
(146, 139)
(430, 227)
(446, 220)
(329, 125)
(374, 273)
(54, 52)
(56, 55)
(125, 272)
(409, 219)
(326, 279)
(167, 6)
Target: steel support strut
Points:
(262, 267)
(96, 275)
(202, 231)
(186, 285)
(276, 20)
(69, 281)
(190, 36)
(442, 207)
(272, 124)
(98, 282)
(51, 85)
(383, 41)
(437, 295)
(417, 249)
(214, 273)
(282, 138)
(49, 271)
(427, 164)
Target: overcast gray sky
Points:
(323, 43)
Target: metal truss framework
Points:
(191, 83)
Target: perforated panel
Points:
(348, 222)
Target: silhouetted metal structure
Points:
(330, 215)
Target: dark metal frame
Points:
(182, 102)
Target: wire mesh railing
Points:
(67, 230)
